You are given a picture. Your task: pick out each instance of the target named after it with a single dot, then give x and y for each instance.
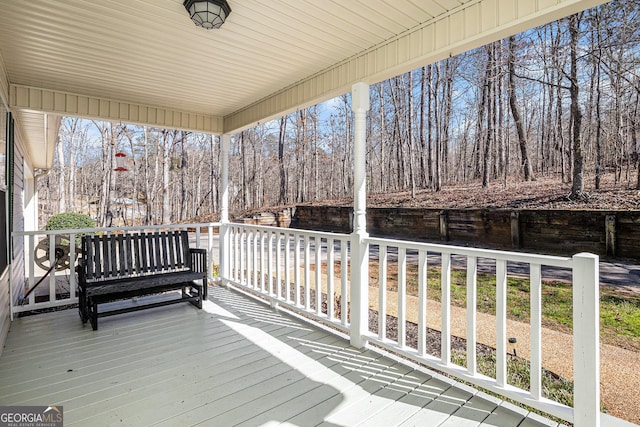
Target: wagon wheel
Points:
(63, 259)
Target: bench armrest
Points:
(198, 259)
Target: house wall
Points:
(12, 279)
(17, 243)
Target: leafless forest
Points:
(560, 101)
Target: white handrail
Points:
(312, 250)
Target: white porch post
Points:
(225, 256)
(586, 340)
(359, 247)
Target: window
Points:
(6, 134)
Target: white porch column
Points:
(359, 248)
(225, 143)
(586, 340)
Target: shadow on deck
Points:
(236, 362)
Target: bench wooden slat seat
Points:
(116, 267)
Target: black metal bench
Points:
(116, 267)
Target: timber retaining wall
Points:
(606, 233)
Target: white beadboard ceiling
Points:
(145, 61)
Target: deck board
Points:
(236, 362)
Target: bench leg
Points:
(198, 290)
(82, 305)
(199, 304)
(93, 314)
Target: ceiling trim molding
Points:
(70, 104)
(472, 25)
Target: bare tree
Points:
(576, 113)
(282, 197)
(515, 113)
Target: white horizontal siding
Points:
(69, 104)
(16, 250)
(5, 309)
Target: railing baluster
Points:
(344, 265)
(210, 258)
(472, 273)
(501, 323)
(279, 265)
(330, 282)
(422, 303)
(296, 273)
(32, 279)
(232, 250)
(249, 255)
(72, 258)
(445, 280)
(270, 257)
(307, 274)
(52, 276)
(229, 262)
(535, 287)
(256, 265)
(382, 292)
(287, 267)
(402, 297)
(236, 257)
(318, 276)
(242, 232)
(263, 263)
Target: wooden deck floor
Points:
(236, 362)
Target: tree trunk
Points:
(166, 164)
(282, 198)
(423, 119)
(430, 113)
(412, 178)
(515, 113)
(62, 186)
(437, 150)
(486, 171)
(183, 177)
(576, 114)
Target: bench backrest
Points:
(138, 254)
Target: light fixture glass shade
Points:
(207, 14)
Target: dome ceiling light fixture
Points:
(207, 14)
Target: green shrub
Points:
(69, 221)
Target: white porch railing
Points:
(310, 272)
(269, 260)
(299, 270)
(61, 284)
